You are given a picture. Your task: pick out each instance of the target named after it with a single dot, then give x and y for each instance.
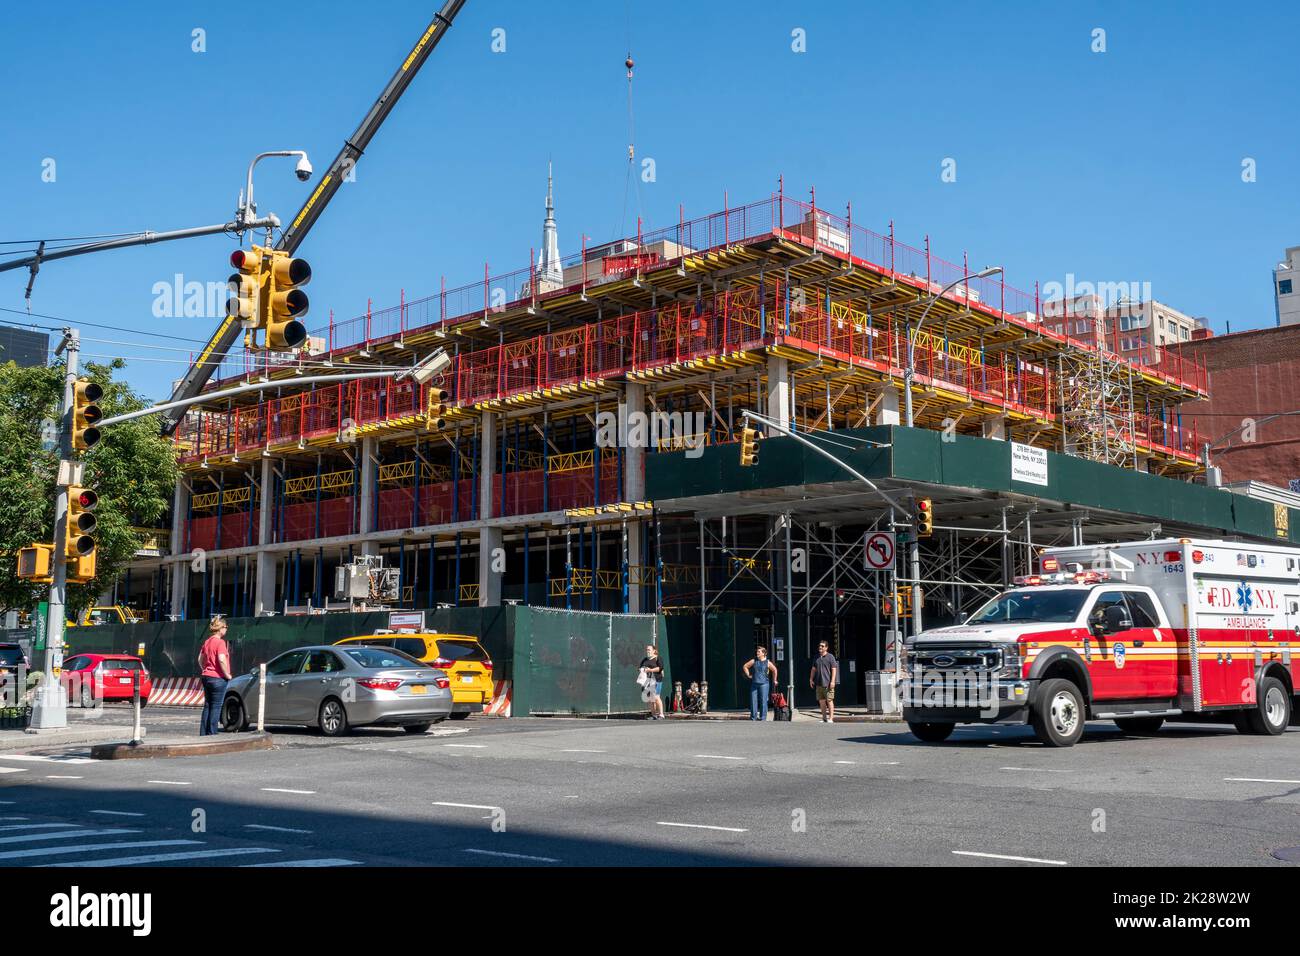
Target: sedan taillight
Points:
(379, 683)
(443, 682)
(487, 665)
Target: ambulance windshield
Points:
(1032, 604)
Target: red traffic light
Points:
(87, 499)
(923, 504)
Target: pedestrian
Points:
(214, 672)
(762, 674)
(822, 678)
(653, 669)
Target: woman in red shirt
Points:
(214, 671)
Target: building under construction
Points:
(520, 490)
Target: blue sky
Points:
(1117, 166)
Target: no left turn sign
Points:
(880, 551)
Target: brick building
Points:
(1252, 375)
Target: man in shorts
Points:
(822, 679)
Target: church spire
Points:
(550, 273)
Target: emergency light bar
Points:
(1062, 577)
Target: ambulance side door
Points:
(1153, 652)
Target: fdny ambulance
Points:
(1136, 633)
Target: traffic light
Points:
(82, 523)
(437, 409)
(286, 303)
(924, 517)
(748, 447)
(86, 415)
(246, 286)
(34, 563)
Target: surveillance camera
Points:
(303, 170)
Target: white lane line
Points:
(264, 826)
(172, 783)
(468, 746)
(575, 750)
(718, 757)
(846, 761)
(570, 796)
(62, 835)
(1036, 769)
(13, 769)
(465, 806)
(305, 793)
(13, 818)
(42, 826)
(7, 803)
(701, 826)
(65, 850)
(512, 856)
(1018, 859)
(1257, 780)
(44, 758)
(117, 813)
(166, 857)
(62, 776)
(296, 863)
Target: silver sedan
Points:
(335, 688)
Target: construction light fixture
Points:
(437, 363)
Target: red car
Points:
(88, 677)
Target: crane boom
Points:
(196, 377)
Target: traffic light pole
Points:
(50, 710)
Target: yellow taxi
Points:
(461, 656)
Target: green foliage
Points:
(132, 468)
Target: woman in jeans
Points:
(214, 671)
(761, 673)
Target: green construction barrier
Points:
(582, 662)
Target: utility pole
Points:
(51, 708)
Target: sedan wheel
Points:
(333, 718)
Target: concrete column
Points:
(634, 490)
(369, 451)
(489, 539)
(887, 411)
(264, 589)
(778, 389)
(176, 547)
(995, 427)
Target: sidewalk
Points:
(82, 732)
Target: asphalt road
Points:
(546, 792)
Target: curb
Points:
(60, 737)
(188, 748)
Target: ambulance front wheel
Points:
(1272, 710)
(1057, 714)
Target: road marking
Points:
(306, 793)
(62, 776)
(718, 757)
(62, 835)
(252, 866)
(1257, 780)
(471, 746)
(13, 818)
(13, 769)
(40, 826)
(702, 826)
(1036, 769)
(46, 758)
(1018, 859)
(512, 856)
(464, 806)
(172, 783)
(65, 850)
(264, 826)
(166, 857)
(7, 803)
(570, 796)
(576, 751)
(846, 761)
(117, 813)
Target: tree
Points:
(133, 468)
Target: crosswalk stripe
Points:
(325, 862)
(62, 835)
(166, 857)
(13, 769)
(66, 850)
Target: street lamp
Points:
(910, 372)
(248, 208)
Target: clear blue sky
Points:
(1115, 166)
